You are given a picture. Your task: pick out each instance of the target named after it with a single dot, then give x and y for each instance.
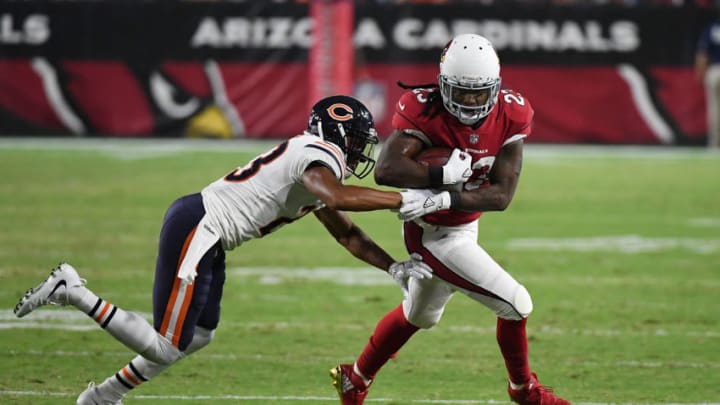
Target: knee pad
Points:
(518, 308)
(522, 302)
(424, 319)
(201, 338)
(162, 351)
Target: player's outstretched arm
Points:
(320, 181)
(352, 238)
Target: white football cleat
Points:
(92, 396)
(52, 291)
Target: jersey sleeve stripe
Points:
(332, 154)
(334, 150)
(514, 138)
(418, 134)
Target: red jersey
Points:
(509, 121)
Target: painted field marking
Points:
(137, 148)
(367, 276)
(618, 243)
(704, 222)
(69, 319)
(323, 399)
(255, 357)
(180, 145)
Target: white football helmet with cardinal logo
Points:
(469, 66)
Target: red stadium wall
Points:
(241, 69)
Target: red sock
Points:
(390, 335)
(513, 344)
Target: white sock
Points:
(516, 386)
(140, 370)
(82, 298)
(129, 328)
(111, 390)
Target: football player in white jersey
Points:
(301, 175)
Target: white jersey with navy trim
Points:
(268, 192)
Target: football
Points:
(433, 156)
(437, 156)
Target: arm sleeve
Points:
(327, 155)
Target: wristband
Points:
(435, 176)
(454, 199)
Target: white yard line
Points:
(88, 326)
(255, 357)
(532, 151)
(629, 244)
(294, 398)
(371, 276)
(136, 145)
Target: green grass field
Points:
(619, 247)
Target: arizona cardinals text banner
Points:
(226, 69)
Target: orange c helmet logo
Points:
(340, 112)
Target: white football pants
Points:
(459, 264)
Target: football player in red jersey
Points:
(469, 112)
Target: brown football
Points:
(437, 157)
(433, 156)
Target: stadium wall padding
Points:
(605, 75)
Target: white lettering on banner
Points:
(33, 30)
(527, 35)
(407, 33)
(411, 34)
(368, 34)
(625, 36)
(271, 33)
(570, 37)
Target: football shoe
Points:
(350, 386)
(92, 396)
(534, 393)
(54, 290)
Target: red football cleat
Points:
(535, 393)
(350, 386)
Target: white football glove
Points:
(416, 203)
(401, 272)
(458, 167)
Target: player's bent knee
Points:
(201, 338)
(522, 302)
(162, 351)
(425, 320)
(518, 309)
